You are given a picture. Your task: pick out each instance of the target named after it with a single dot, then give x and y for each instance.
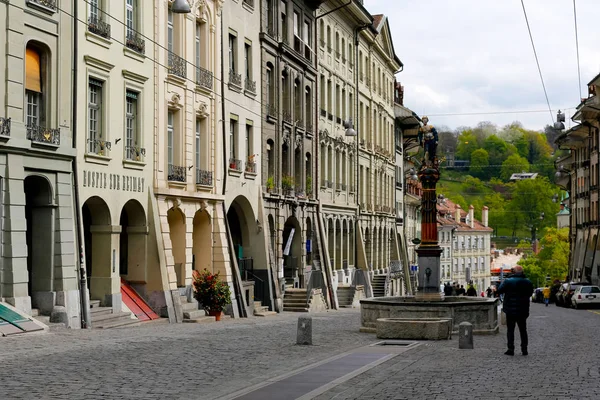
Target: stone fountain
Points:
(428, 314)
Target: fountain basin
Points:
(482, 313)
(414, 328)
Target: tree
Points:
(532, 203)
(496, 215)
(552, 261)
(551, 135)
(498, 151)
(467, 144)
(512, 165)
(479, 163)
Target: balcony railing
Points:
(135, 153)
(177, 173)
(135, 42)
(99, 27)
(251, 167)
(99, 146)
(50, 4)
(4, 126)
(309, 128)
(204, 178)
(271, 111)
(329, 184)
(177, 65)
(287, 116)
(249, 2)
(235, 164)
(338, 186)
(377, 208)
(323, 113)
(204, 78)
(235, 79)
(300, 124)
(250, 85)
(271, 31)
(39, 134)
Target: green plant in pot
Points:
(308, 185)
(270, 183)
(211, 292)
(287, 182)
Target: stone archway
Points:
(292, 251)
(39, 236)
(97, 230)
(176, 221)
(202, 242)
(133, 242)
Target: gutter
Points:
(86, 322)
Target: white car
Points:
(586, 296)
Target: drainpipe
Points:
(86, 322)
(237, 278)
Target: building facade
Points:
(578, 173)
(466, 243)
(115, 109)
(39, 269)
(289, 140)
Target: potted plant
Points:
(211, 292)
(287, 182)
(308, 185)
(270, 184)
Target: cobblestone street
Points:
(209, 361)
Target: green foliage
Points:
(512, 165)
(498, 151)
(287, 182)
(473, 185)
(270, 183)
(210, 291)
(308, 185)
(467, 144)
(479, 163)
(552, 260)
(531, 198)
(497, 205)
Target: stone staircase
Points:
(378, 285)
(191, 313)
(105, 318)
(262, 311)
(295, 300)
(345, 295)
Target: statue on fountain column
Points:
(428, 139)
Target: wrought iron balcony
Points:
(344, 187)
(309, 128)
(322, 43)
(204, 78)
(135, 42)
(135, 153)
(249, 2)
(235, 79)
(40, 134)
(300, 124)
(271, 111)
(4, 126)
(235, 164)
(287, 116)
(323, 113)
(177, 65)
(99, 27)
(204, 178)
(50, 4)
(177, 173)
(251, 167)
(250, 86)
(329, 184)
(362, 142)
(99, 146)
(271, 31)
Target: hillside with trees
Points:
(479, 164)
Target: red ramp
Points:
(135, 303)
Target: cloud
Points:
(473, 56)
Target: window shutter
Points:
(131, 95)
(33, 79)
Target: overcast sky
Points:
(469, 56)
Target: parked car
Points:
(571, 287)
(537, 296)
(560, 295)
(586, 296)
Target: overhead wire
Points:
(537, 62)
(495, 112)
(577, 47)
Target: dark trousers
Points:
(521, 321)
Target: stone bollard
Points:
(304, 335)
(465, 335)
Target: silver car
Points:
(586, 296)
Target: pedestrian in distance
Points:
(546, 292)
(517, 291)
(489, 292)
(471, 292)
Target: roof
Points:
(523, 175)
(446, 216)
(377, 18)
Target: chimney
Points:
(457, 213)
(484, 216)
(471, 216)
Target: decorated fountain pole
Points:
(429, 251)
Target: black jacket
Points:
(517, 292)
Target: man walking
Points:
(517, 292)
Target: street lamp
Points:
(181, 7)
(560, 121)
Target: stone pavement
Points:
(209, 361)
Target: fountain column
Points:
(429, 251)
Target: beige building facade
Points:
(38, 267)
(115, 108)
